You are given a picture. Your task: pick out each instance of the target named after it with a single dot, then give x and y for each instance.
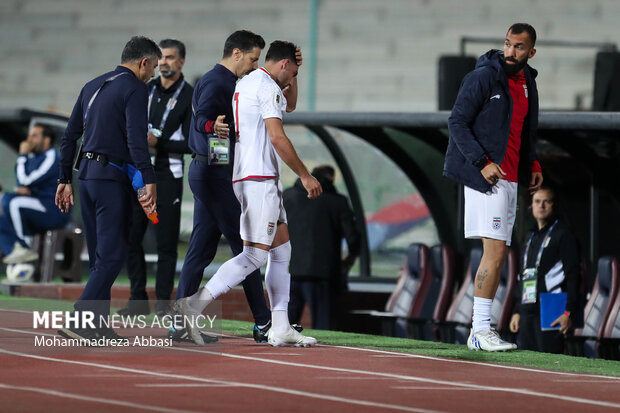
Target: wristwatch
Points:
(64, 181)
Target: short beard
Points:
(513, 69)
(167, 74)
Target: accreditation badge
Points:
(218, 151)
(529, 279)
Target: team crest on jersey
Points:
(276, 99)
(270, 228)
(497, 223)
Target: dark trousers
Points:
(169, 196)
(216, 212)
(318, 296)
(531, 337)
(106, 210)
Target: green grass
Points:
(530, 359)
(516, 358)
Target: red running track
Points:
(240, 375)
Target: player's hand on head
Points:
(311, 185)
(298, 56)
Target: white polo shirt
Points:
(257, 97)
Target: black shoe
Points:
(260, 334)
(89, 334)
(134, 308)
(182, 335)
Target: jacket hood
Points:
(493, 58)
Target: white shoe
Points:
(488, 341)
(190, 319)
(20, 254)
(292, 338)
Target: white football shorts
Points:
(261, 209)
(491, 214)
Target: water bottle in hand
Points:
(150, 215)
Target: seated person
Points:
(31, 208)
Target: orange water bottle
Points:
(152, 215)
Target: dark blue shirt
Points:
(38, 172)
(212, 97)
(116, 126)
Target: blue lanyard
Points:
(92, 99)
(540, 249)
(169, 106)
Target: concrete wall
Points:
(372, 56)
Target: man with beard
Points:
(31, 208)
(491, 149)
(170, 113)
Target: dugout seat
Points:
(609, 347)
(400, 306)
(586, 340)
(455, 328)
(68, 242)
(433, 298)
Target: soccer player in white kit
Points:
(258, 103)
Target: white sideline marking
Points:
(404, 355)
(92, 399)
(449, 360)
(229, 383)
(443, 388)
(279, 354)
(183, 385)
(410, 378)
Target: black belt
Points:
(102, 158)
(200, 158)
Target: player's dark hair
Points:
(279, 50)
(243, 40)
(169, 43)
(47, 132)
(138, 48)
(519, 28)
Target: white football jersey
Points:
(257, 97)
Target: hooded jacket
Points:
(480, 124)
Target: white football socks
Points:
(278, 283)
(481, 320)
(229, 275)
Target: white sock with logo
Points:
(481, 320)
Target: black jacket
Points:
(173, 142)
(480, 124)
(561, 256)
(317, 227)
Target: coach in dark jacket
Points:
(111, 115)
(480, 123)
(317, 227)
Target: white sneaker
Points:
(488, 341)
(20, 254)
(190, 319)
(292, 338)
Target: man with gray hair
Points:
(110, 115)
